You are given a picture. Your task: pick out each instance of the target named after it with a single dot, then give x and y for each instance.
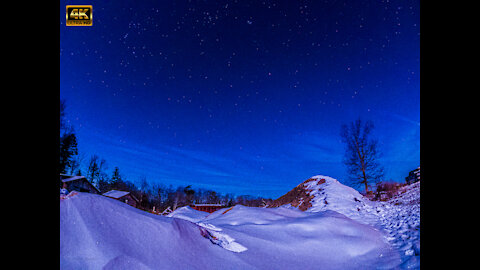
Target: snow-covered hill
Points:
(398, 218)
(97, 232)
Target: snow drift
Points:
(188, 213)
(101, 233)
(97, 232)
(398, 219)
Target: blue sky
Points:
(243, 97)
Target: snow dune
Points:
(282, 238)
(187, 213)
(398, 219)
(97, 232)
(101, 233)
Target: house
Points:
(77, 183)
(413, 176)
(123, 196)
(209, 208)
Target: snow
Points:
(115, 193)
(73, 178)
(100, 233)
(224, 240)
(398, 218)
(187, 213)
(333, 195)
(97, 232)
(341, 230)
(283, 238)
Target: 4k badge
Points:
(79, 15)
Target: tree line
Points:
(361, 160)
(152, 197)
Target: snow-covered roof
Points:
(73, 178)
(208, 204)
(116, 194)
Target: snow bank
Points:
(282, 238)
(188, 213)
(98, 232)
(397, 219)
(241, 215)
(330, 194)
(400, 219)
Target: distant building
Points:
(123, 196)
(209, 208)
(77, 183)
(413, 176)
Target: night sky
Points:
(242, 97)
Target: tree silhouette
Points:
(361, 154)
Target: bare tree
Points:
(76, 163)
(361, 155)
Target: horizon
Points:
(243, 98)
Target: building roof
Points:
(207, 204)
(116, 194)
(72, 178)
(69, 178)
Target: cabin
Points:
(77, 183)
(209, 208)
(413, 176)
(123, 196)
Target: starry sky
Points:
(242, 97)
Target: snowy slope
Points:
(283, 238)
(102, 233)
(398, 219)
(329, 194)
(188, 213)
(97, 232)
(241, 215)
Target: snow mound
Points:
(188, 213)
(329, 194)
(241, 215)
(98, 232)
(322, 193)
(282, 238)
(397, 219)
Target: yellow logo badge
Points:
(79, 15)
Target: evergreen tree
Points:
(68, 149)
(68, 143)
(116, 178)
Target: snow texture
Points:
(97, 232)
(341, 230)
(189, 214)
(398, 218)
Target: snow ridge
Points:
(398, 218)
